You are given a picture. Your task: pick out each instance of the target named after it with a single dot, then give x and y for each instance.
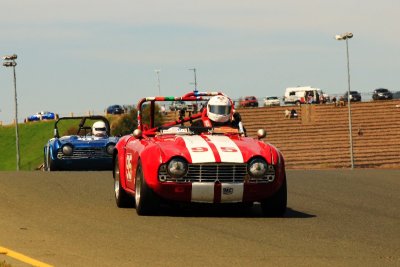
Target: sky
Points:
(81, 56)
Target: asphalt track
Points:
(335, 218)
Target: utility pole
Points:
(195, 80)
(158, 81)
(340, 37)
(10, 62)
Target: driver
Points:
(220, 112)
(99, 129)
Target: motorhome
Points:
(302, 95)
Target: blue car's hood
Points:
(82, 141)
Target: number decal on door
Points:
(128, 167)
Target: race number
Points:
(228, 149)
(128, 167)
(199, 149)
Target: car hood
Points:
(214, 148)
(86, 140)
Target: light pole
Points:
(10, 62)
(346, 36)
(195, 80)
(158, 81)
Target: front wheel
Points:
(275, 205)
(147, 202)
(49, 164)
(122, 199)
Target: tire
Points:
(49, 164)
(275, 205)
(122, 199)
(146, 201)
(297, 103)
(44, 161)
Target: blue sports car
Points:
(42, 115)
(84, 145)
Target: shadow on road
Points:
(226, 210)
(291, 213)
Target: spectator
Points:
(293, 114)
(360, 132)
(287, 114)
(322, 99)
(163, 110)
(334, 100)
(341, 102)
(310, 99)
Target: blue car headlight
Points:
(67, 149)
(110, 148)
(177, 167)
(257, 168)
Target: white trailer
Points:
(301, 95)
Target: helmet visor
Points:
(220, 110)
(102, 129)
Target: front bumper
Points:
(216, 192)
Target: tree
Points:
(127, 123)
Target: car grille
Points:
(85, 153)
(223, 173)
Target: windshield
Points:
(382, 90)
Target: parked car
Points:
(88, 147)
(271, 101)
(382, 94)
(355, 96)
(249, 101)
(41, 115)
(115, 109)
(181, 162)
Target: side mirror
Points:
(261, 133)
(137, 134)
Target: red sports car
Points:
(181, 162)
(249, 101)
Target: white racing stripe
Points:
(199, 149)
(227, 149)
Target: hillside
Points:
(33, 137)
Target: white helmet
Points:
(99, 128)
(219, 108)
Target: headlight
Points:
(257, 168)
(110, 148)
(67, 150)
(177, 167)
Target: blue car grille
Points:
(218, 172)
(85, 153)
